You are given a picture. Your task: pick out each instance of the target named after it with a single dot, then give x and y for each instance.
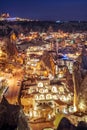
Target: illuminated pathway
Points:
(14, 89)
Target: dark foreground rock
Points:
(82, 126)
(65, 124)
(11, 117)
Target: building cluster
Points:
(7, 17)
(50, 64)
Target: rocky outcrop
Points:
(82, 126)
(10, 116)
(65, 124)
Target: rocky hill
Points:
(40, 26)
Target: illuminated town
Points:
(44, 73)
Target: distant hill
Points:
(41, 26)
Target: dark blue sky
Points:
(46, 9)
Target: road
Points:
(14, 88)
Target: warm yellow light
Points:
(45, 73)
(1, 52)
(75, 108)
(82, 106)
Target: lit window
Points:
(48, 96)
(40, 84)
(54, 89)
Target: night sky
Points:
(46, 9)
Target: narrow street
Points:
(14, 88)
